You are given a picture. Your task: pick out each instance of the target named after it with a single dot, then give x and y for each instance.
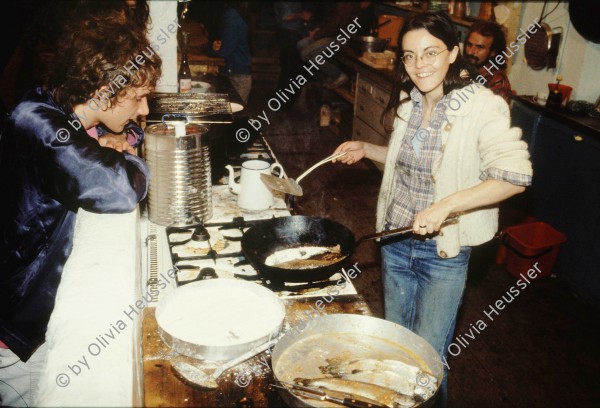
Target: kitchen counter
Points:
(163, 387)
(582, 123)
(565, 189)
(103, 346)
(244, 385)
(250, 380)
(350, 58)
(93, 347)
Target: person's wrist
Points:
(449, 204)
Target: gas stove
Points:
(178, 256)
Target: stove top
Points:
(215, 251)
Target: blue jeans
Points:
(19, 381)
(422, 292)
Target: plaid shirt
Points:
(414, 172)
(414, 183)
(497, 82)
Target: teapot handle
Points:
(280, 167)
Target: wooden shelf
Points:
(410, 9)
(345, 94)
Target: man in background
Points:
(294, 21)
(484, 42)
(229, 33)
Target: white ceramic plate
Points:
(200, 87)
(200, 84)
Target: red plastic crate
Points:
(525, 244)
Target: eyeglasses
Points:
(428, 58)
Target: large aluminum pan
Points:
(347, 337)
(225, 290)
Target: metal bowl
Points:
(204, 350)
(369, 43)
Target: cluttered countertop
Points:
(191, 235)
(229, 273)
(578, 120)
(380, 73)
(171, 264)
(245, 385)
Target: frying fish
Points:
(380, 394)
(305, 257)
(387, 379)
(411, 372)
(394, 374)
(339, 368)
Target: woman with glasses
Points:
(452, 153)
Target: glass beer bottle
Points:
(185, 74)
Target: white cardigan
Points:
(479, 137)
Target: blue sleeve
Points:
(134, 133)
(230, 32)
(73, 168)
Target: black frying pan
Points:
(264, 238)
(269, 236)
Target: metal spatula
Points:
(291, 186)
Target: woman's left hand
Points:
(430, 219)
(484, 194)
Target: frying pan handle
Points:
(388, 233)
(453, 219)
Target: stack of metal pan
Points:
(195, 107)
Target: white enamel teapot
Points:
(253, 194)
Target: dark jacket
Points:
(49, 169)
(233, 33)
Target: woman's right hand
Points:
(355, 151)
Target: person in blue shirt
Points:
(230, 42)
(294, 21)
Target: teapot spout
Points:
(235, 187)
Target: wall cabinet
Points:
(565, 193)
(371, 100)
